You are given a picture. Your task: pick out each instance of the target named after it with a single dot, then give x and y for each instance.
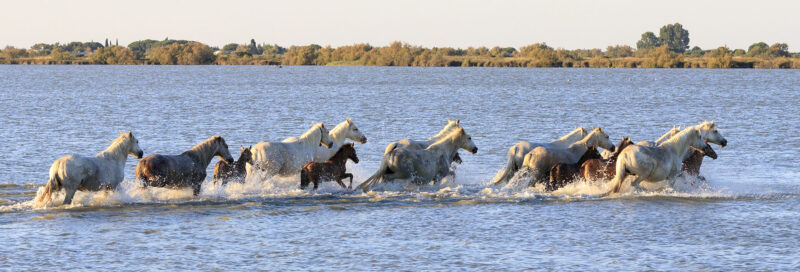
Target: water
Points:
(744, 217)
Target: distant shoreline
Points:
(597, 62)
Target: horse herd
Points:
(319, 155)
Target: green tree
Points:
(113, 55)
(141, 47)
(230, 47)
(695, 52)
(648, 40)
(674, 37)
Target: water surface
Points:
(744, 217)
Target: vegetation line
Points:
(670, 49)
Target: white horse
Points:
(422, 144)
(287, 158)
(656, 164)
(541, 159)
(516, 154)
(103, 171)
(421, 165)
(671, 133)
(342, 131)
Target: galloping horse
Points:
(541, 159)
(342, 131)
(224, 171)
(184, 170)
(333, 169)
(516, 153)
(422, 144)
(694, 159)
(655, 164)
(286, 158)
(563, 173)
(604, 168)
(430, 164)
(103, 171)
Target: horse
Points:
(563, 173)
(516, 153)
(101, 172)
(342, 131)
(694, 158)
(224, 171)
(541, 159)
(185, 170)
(656, 164)
(333, 169)
(422, 166)
(286, 158)
(604, 168)
(422, 144)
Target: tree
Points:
(756, 46)
(113, 55)
(695, 52)
(648, 40)
(674, 37)
(619, 51)
(230, 47)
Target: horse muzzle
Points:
(355, 160)
(139, 154)
(724, 142)
(612, 148)
(474, 150)
(363, 140)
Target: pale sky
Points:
(561, 24)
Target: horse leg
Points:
(70, 193)
(345, 175)
(196, 188)
(351, 181)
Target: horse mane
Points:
(708, 125)
(201, 150)
(576, 130)
(450, 137)
(306, 136)
(115, 149)
(681, 136)
(338, 128)
(446, 130)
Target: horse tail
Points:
(506, 172)
(369, 182)
(391, 146)
(616, 183)
(53, 185)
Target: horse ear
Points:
(130, 134)
(322, 124)
(348, 120)
(242, 147)
(458, 121)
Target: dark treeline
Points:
(669, 49)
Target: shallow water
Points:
(744, 217)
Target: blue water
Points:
(744, 217)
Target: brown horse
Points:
(184, 170)
(604, 168)
(224, 171)
(563, 173)
(692, 162)
(333, 169)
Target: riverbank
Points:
(472, 61)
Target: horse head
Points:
(709, 132)
(598, 137)
(222, 149)
(464, 141)
(350, 152)
(354, 134)
(246, 156)
(133, 145)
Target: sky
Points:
(561, 24)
